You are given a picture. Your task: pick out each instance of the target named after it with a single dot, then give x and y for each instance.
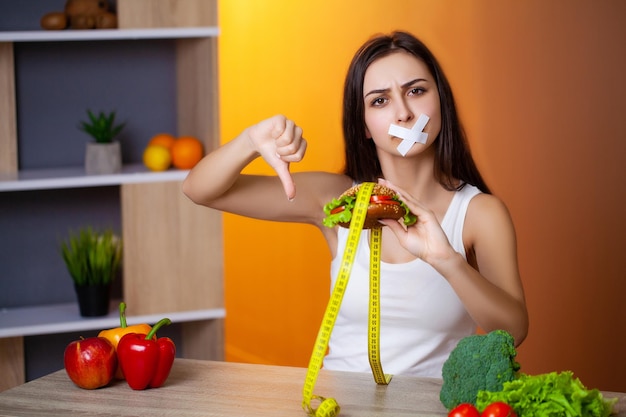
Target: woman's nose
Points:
(403, 112)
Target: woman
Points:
(453, 271)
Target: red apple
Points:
(90, 363)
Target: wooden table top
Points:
(209, 388)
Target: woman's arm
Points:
(493, 295)
(216, 181)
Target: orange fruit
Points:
(157, 158)
(186, 152)
(163, 139)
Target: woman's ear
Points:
(367, 133)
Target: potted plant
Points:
(93, 260)
(104, 154)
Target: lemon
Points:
(157, 158)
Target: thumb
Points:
(282, 170)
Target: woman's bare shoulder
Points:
(488, 215)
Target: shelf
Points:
(146, 198)
(108, 34)
(74, 177)
(65, 318)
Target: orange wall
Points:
(540, 86)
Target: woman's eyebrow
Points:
(415, 81)
(385, 90)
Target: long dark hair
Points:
(453, 160)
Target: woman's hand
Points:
(492, 293)
(424, 239)
(279, 141)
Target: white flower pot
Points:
(103, 158)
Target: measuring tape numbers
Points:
(329, 407)
(373, 345)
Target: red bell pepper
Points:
(146, 362)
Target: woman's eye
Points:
(379, 101)
(416, 91)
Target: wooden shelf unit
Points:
(74, 177)
(175, 268)
(65, 318)
(108, 34)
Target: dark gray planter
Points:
(103, 158)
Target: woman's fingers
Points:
(425, 239)
(279, 141)
(415, 207)
(290, 145)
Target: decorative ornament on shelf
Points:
(81, 14)
(104, 156)
(93, 260)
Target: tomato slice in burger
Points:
(383, 199)
(374, 199)
(380, 198)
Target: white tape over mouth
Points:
(410, 136)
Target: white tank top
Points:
(422, 318)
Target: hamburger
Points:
(384, 204)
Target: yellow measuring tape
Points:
(373, 346)
(328, 407)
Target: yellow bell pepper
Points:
(114, 335)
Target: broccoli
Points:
(478, 363)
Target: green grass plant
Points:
(92, 257)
